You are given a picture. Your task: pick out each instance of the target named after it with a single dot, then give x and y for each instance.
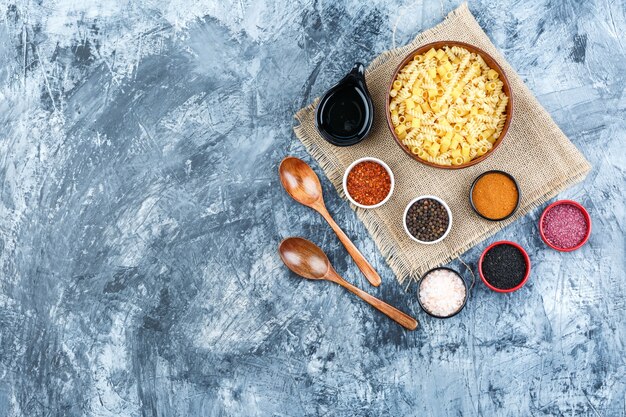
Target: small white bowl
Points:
(379, 162)
(443, 203)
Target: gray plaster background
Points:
(140, 212)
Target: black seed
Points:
(504, 266)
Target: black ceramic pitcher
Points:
(345, 114)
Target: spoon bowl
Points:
(300, 181)
(304, 258)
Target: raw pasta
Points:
(447, 106)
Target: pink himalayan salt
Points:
(565, 226)
(442, 292)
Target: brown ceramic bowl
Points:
(506, 88)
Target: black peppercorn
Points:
(427, 219)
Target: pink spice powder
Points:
(565, 226)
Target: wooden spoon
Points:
(307, 260)
(304, 186)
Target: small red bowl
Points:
(579, 207)
(526, 258)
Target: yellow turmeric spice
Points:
(495, 196)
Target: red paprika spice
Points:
(368, 183)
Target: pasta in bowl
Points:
(449, 105)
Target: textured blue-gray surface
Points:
(140, 211)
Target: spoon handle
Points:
(365, 267)
(393, 313)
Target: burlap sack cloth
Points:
(534, 151)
